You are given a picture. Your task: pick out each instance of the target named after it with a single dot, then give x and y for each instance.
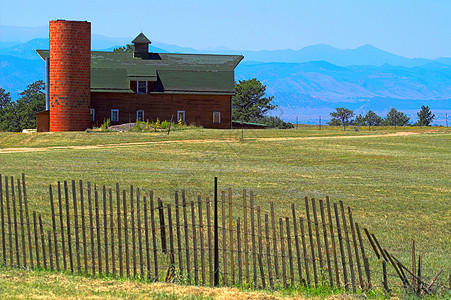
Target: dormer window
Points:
(141, 87)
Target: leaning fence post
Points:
(105, 228)
(99, 253)
(304, 247)
(83, 227)
(13, 198)
(50, 250)
(69, 239)
(132, 225)
(52, 208)
(113, 255)
(179, 237)
(44, 257)
(340, 240)
(282, 250)
(232, 267)
(22, 229)
(332, 237)
(127, 260)
(186, 230)
(312, 245)
(25, 201)
(91, 229)
(260, 247)
(318, 241)
(356, 251)
(193, 219)
(146, 229)
(254, 255)
(3, 223)
(290, 250)
(268, 252)
(216, 235)
(63, 243)
(36, 243)
(326, 242)
(210, 256)
(296, 240)
(138, 219)
(154, 238)
(348, 245)
(77, 238)
(273, 225)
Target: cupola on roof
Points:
(141, 39)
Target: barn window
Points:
(216, 117)
(141, 87)
(115, 115)
(140, 115)
(181, 116)
(92, 114)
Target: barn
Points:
(85, 88)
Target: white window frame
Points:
(183, 117)
(137, 115)
(219, 121)
(137, 87)
(92, 114)
(112, 115)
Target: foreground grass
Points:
(44, 284)
(398, 186)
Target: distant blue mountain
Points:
(16, 73)
(311, 89)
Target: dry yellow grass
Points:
(24, 284)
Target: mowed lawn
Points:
(398, 184)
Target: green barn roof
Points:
(177, 73)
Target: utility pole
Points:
(296, 122)
(319, 122)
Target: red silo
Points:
(70, 75)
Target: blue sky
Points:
(411, 28)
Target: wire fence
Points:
(126, 232)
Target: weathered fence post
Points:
(216, 235)
(25, 201)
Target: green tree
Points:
(372, 119)
(126, 48)
(249, 102)
(425, 116)
(341, 116)
(396, 118)
(22, 113)
(5, 103)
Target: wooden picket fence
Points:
(96, 230)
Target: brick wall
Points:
(198, 108)
(70, 75)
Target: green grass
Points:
(398, 186)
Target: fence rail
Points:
(126, 232)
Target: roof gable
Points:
(141, 39)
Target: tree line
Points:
(345, 117)
(21, 114)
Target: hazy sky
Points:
(412, 28)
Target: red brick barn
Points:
(86, 87)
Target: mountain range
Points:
(306, 83)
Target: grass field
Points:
(398, 182)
